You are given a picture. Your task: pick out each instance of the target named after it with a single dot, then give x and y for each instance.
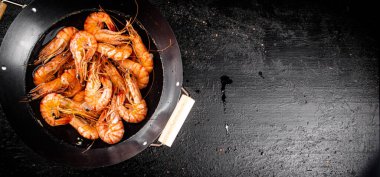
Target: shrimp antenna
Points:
(117, 20)
(101, 8)
(25, 99)
(137, 11)
(146, 33)
(161, 50)
(151, 85)
(89, 147)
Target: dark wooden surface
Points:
(281, 89)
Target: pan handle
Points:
(176, 120)
(3, 6)
(14, 3)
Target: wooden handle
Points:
(3, 6)
(176, 120)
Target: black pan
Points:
(37, 24)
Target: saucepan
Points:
(37, 23)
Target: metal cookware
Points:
(33, 27)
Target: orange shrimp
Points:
(57, 45)
(143, 56)
(68, 65)
(84, 128)
(45, 73)
(98, 91)
(94, 24)
(141, 74)
(109, 125)
(83, 46)
(136, 109)
(96, 20)
(114, 75)
(57, 85)
(99, 99)
(50, 112)
(117, 53)
(73, 88)
(54, 106)
(112, 37)
(79, 97)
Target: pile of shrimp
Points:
(91, 78)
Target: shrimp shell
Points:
(45, 73)
(136, 109)
(57, 85)
(53, 105)
(141, 74)
(97, 98)
(96, 20)
(143, 56)
(57, 45)
(114, 75)
(116, 53)
(109, 125)
(84, 128)
(83, 46)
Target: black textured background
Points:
(301, 93)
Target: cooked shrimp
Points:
(83, 46)
(79, 97)
(57, 45)
(98, 91)
(94, 24)
(141, 74)
(109, 125)
(112, 37)
(46, 88)
(50, 112)
(68, 65)
(45, 73)
(143, 56)
(73, 88)
(114, 75)
(84, 128)
(117, 53)
(57, 85)
(53, 106)
(96, 20)
(136, 109)
(99, 99)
